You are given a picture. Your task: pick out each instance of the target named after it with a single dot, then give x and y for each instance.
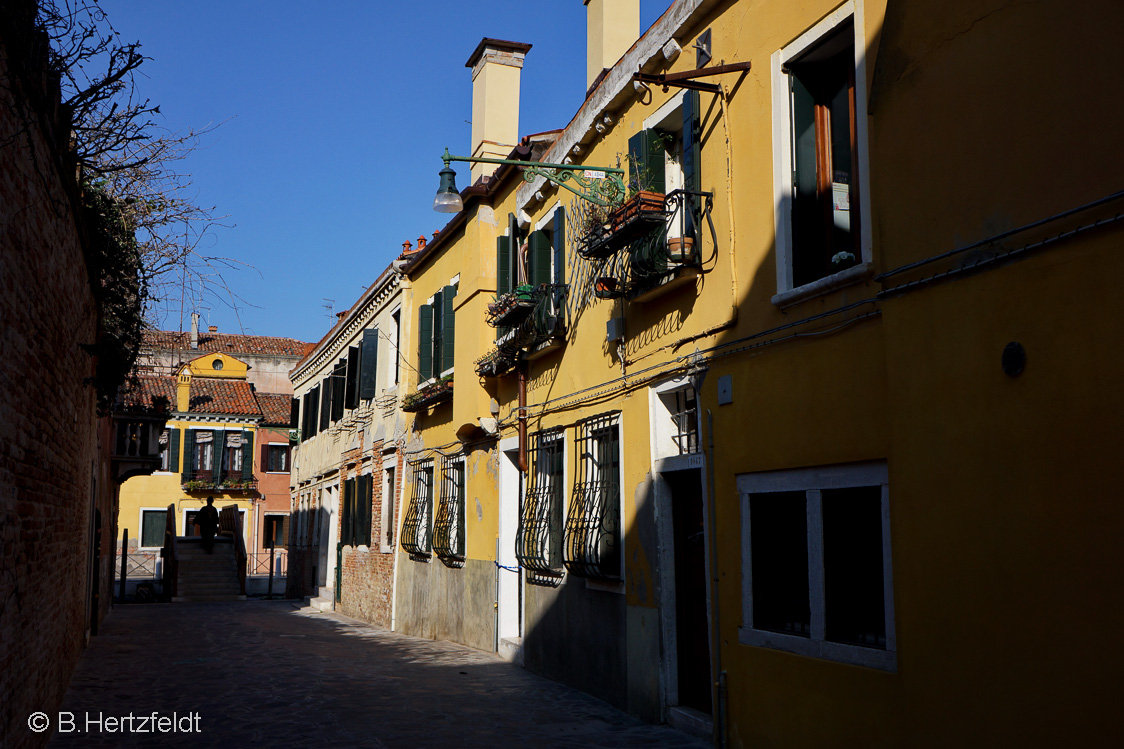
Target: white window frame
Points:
(389, 501)
(289, 464)
(782, 158)
(813, 481)
(663, 445)
(287, 526)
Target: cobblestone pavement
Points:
(264, 672)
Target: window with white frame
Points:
(816, 563)
(819, 151)
(389, 505)
(277, 458)
(675, 419)
(436, 334)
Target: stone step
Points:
(207, 598)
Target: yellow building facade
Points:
(810, 443)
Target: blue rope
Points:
(509, 569)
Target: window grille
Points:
(448, 527)
(538, 545)
(415, 526)
(686, 421)
(592, 543)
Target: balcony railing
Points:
(638, 216)
(542, 325)
(667, 250)
(510, 309)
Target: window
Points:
(339, 379)
(436, 326)
(153, 523)
(415, 526)
(276, 532)
(448, 526)
(165, 452)
(592, 546)
(816, 563)
(277, 458)
(214, 455)
(819, 144)
(355, 517)
(389, 503)
(538, 544)
(311, 413)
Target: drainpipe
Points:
(523, 417)
(715, 628)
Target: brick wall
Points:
(368, 574)
(53, 475)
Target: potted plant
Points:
(605, 287)
(681, 249)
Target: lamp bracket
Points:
(603, 186)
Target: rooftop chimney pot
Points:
(212, 328)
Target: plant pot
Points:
(681, 249)
(642, 202)
(605, 288)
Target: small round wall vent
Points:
(1014, 359)
(217, 363)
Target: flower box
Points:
(430, 395)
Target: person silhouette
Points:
(208, 521)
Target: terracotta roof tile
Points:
(218, 396)
(276, 408)
(229, 343)
(151, 392)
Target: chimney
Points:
(183, 390)
(495, 101)
(611, 27)
(194, 330)
(212, 328)
(421, 242)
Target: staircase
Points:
(207, 577)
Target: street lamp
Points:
(601, 185)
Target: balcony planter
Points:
(681, 249)
(432, 394)
(606, 287)
(227, 486)
(640, 215)
(511, 308)
(495, 363)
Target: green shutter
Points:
(188, 454)
(646, 161)
(364, 533)
(351, 392)
(326, 403)
(425, 342)
(560, 246)
(503, 265)
(247, 455)
(368, 366)
(448, 327)
(218, 445)
(173, 450)
(438, 330)
(539, 252)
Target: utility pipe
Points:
(523, 417)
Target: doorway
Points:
(691, 630)
(509, 576)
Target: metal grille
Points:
(415, 526)
(538, 545)
(448, 528)
(686, 421)
(592, 543)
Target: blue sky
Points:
(334, 117)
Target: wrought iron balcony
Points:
(510, 309)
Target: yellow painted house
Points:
(811, 440)
(209, 451)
